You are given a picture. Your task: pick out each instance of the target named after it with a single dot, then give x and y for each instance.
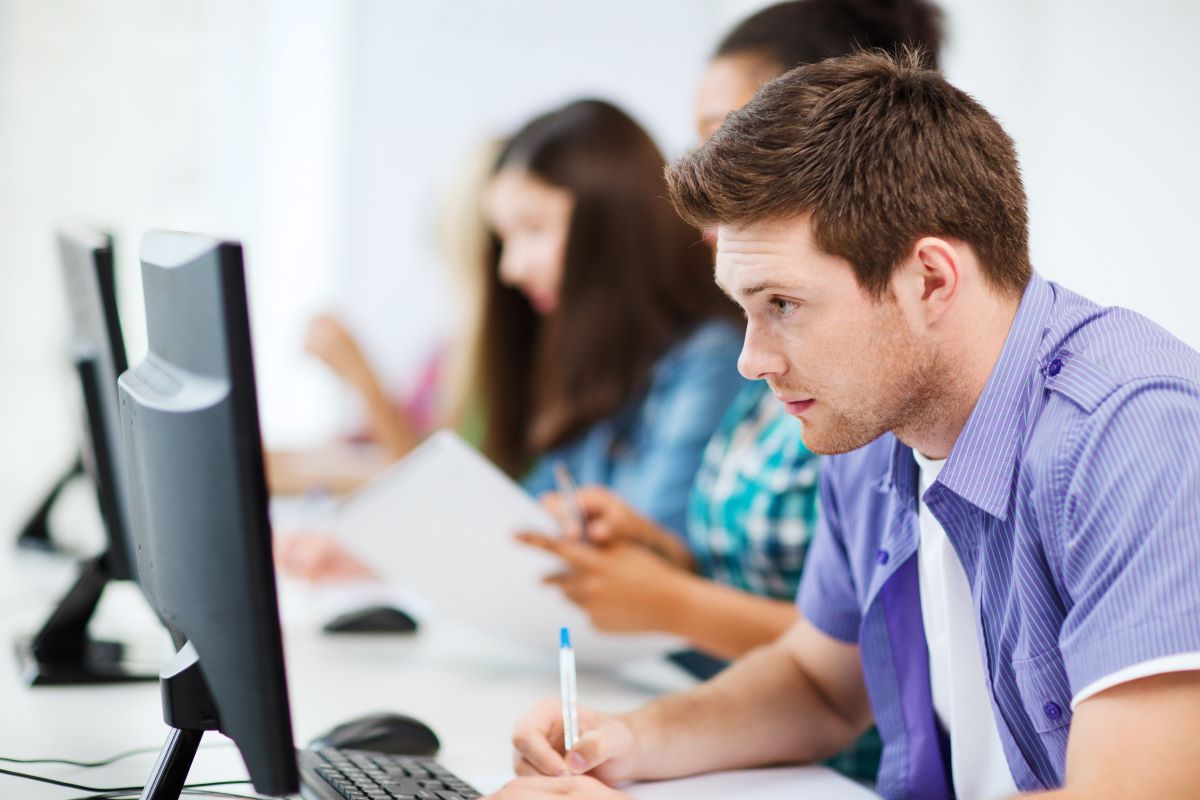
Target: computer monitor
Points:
(199, 511)
(62, 652)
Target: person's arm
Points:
(725, 621)
(624, 587)
(331, 342)
(800, 699)
(1137, 739)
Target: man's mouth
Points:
(797, 405)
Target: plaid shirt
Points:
(753, 507)
(752, 513)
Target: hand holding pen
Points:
(610, 520)
(603, 745)
(576, 527)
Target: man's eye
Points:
(782, 306)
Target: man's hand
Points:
(605, 749)
(611, 520)
(623, 587)
(578, 786)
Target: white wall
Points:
(207, 115)
(1103, 100)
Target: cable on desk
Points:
(185, 793)
(110, 790)
(104, 762)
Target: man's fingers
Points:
(533, 736)
(523, 766)
(595, 747)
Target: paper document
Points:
(440, 524)
(776, 783)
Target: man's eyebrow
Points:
(762, 286)
(749, 291)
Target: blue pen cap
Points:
(564, 636)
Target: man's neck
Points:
(971, 344)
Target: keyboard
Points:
(363, 775)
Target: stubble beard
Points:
(905, 399)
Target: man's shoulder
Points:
(1090, 352)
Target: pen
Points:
(566, 488)
(566, 678)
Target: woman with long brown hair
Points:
(605, 343)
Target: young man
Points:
(1007, 576)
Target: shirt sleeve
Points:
(827, 597)
(1183, 662)
(1131, 547)
(681, 411)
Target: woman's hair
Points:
(789, 34)
(635, 279)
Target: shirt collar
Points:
(981, 464)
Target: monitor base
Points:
(101, 662)
(35, 533)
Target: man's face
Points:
(848, 366)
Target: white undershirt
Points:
(956, 670)
(959, 687)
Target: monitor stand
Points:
(62, 653)
(35, 533)
(189, 710)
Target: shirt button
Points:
(1055, 367)
(1052, 710)
(882, 556)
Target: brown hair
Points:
(796, 32)
(880, 151)
(636, 279)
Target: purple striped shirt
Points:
(1072, 498)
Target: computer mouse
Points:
(373, 619)
(384, 733)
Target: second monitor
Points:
(203, 539)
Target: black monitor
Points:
(62, 652)
(199, 511)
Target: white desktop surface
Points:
(469, 691)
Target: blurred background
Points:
(322, 133)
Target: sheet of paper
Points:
(776, 783)
(440, 524)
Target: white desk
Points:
(468, 691)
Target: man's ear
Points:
(929, 279)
